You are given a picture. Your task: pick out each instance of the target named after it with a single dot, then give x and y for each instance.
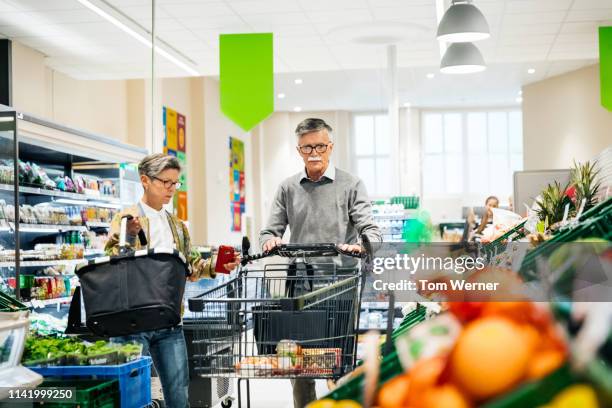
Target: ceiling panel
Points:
(192, 10)
(591, 4)
(590, 15)
(318, 5)
(531, 6)
(264, 6)
(534, 18)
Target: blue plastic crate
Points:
(134, 378)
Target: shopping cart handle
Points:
(302, 250)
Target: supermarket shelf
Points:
(95, 224)
(42, 227)
(406, 215)
(42, 303)
(58, 262)
(94, 252)
(62, 194)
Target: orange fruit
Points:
(424, 375)
(491, 355)
(544, 363)
(394, 392)
(445, 396)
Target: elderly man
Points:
(319, 204)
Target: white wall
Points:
(217, 130)
(96, 106)
(563, 120)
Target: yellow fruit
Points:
(347, 404)
(575, 396)
(445, 396)
(491, 355)
(394, 392)
(324, 403)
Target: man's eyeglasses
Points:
(320, 148)
(169, 183)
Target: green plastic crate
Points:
(89, 393)
(10, 304)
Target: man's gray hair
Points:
(154, 164)
(312, 125)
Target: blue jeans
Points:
(168, 350)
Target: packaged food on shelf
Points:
(7, 172)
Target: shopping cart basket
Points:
(312, 306)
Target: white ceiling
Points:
(553, 36)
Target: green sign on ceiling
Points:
(247, 77)
(605, 66)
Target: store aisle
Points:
(276, 393)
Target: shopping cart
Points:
(313, 307)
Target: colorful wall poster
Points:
(175, 144)
(181, 142)
(182, 158)
(237, 182)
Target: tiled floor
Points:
(275, 393)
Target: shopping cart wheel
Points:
(157, 404)
(227, 403)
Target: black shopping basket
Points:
(133, 292)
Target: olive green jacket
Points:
(181, 240)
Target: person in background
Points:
(487, 218)
(319, 204)
(159, 175)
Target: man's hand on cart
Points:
(351, 248)
(271, 244)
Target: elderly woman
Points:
(159, 175)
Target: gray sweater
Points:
(334, 209)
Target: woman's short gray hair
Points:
(154, 164)
(312, 125)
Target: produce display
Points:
(54, 351)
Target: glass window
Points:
(477, 132)
(383, 137)
(373, 153)
(364, 135)
(480, 152)
(433, 133)
(453, 140)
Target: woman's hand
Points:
(133, 226)
(232, 265)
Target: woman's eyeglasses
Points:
(169, 183)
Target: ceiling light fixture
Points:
(139, 37)
(297, 109)
(298, 81)
(463, 22)
(407, 104)
(531, 71)
(281, 96)
(520, 93)
(430, 75)
(462, 58)
(519, 99)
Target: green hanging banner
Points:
(605, 66)
(247, 77)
